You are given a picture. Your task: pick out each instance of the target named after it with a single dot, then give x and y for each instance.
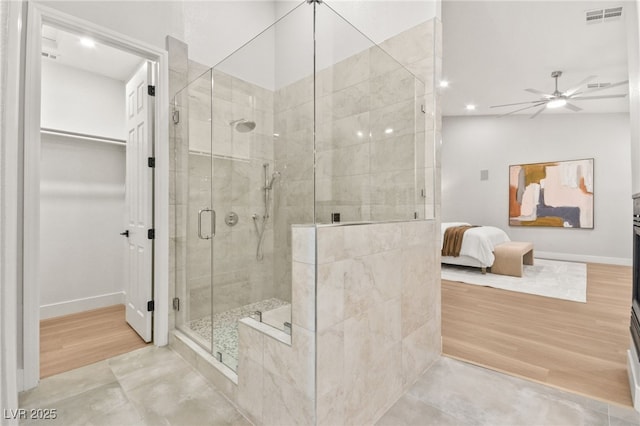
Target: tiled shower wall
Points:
(362, 172)
(371, 131)
(378, 316)
(237, 181)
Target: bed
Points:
(477, 245)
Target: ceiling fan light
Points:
(557, 103)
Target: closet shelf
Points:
(83, 136)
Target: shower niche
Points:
(308, 120)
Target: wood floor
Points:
(76, 340)
(580, 347)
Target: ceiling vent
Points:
(603, 15)
(49, 55)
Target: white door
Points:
(139, 203)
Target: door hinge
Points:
(151, 306)
(151, 161)
(151, 90)
(176, 304)
(151, 234)
(176, 117)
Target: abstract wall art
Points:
(558, 194)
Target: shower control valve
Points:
(231, 218)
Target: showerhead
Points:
(243, 126)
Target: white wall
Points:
(343, 29)
(471, 144)
(381, 20)
(82, 192)
(633, 60)
(82, 102)
(215, 29)
(81, 216)
(147, 21)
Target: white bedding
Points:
(477, 243)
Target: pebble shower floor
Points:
(225, 325)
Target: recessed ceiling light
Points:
(470, 107)
(87, 42)
(388, 130)
(444, 83)
(359, 133)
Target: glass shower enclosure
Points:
(308, 123)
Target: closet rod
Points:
(83, 136)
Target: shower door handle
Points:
(213, 224)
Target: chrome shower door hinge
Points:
(176, 304)
(176, 117)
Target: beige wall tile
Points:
(293, 364)
(303, 244)
(330, 293)
(330, 368)
(251, 379)
(284, 404)
(303, 308)
(330, 408)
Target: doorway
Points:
(88, 196)
(77, 165)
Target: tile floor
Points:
(150, 386)
(155, 386)
(452, 392)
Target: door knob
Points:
(125, 233)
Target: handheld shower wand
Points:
(268, 186)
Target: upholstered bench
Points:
(510, 258)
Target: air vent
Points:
(595, 15)
(603, 15)
(597, 85)
(613, 12)
(49, 55)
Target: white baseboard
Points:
(568, 257)
(81, 305)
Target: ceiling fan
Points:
(559, 99)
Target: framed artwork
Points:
(558, 194)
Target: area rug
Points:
(550, 278)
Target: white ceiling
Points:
(493, 50)
(101, 59)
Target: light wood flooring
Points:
(580, 347)
(76, 340)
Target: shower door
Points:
(195, 219)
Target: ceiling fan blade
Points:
(586, 98)
(538, 92)
(537, 113)
(522, 109)
(572, 107)
(620, 83)
(517, 103)
(577, 87)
